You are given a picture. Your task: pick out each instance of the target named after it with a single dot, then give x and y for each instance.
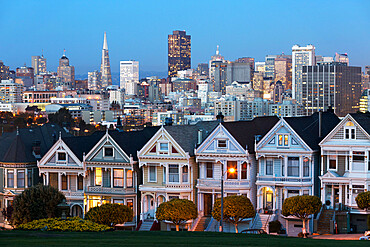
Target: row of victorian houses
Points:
(274, 159)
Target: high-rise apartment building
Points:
(106, 76)
(179, 52)
(219, 76)
(38, 64)
(129, 76)
(66, 72)
(333, 85)
(270, 66)
(94, 80)
(240, 72)
(25, 76)
(301, 56)
(10, 92)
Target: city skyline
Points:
(81, 35)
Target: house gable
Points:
(162, 145)
(107, 150)
(337, 135)
(282, 137)
(220, 141)
(59, 155)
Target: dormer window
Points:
(349, 131)
(61, 156)
(222, 143)
(108, 152)
(283, 140)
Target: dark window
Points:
(20, 179)
(306, 167)
(80, 182)
(108, 152)
(269, 167)
(64, 182)
(332, 164)
(62, 156)
(293, 166)
(209, 170)
(221, 144)
(10, 182)
(29, 178)
(359, 156)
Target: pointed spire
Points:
(105, 44)
(217, 51)
(60, 135)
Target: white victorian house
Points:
(288, 158)
(230, 145)
(345, 169)
(168, 165)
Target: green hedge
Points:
(74, 224)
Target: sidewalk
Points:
(355, 236)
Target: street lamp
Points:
(231, 171)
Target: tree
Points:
(301, 207)
(236, 208)
(110, 214)
(363, 200)
(37, 202)
(62, 117)
(7, 213)
(177, 210)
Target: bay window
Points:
(185, 174)
(269, 167)
(10, 179)
(20, 179)
(64, 182)
(293, 166)
(129, 179)
(118, 178)
(234, 165)
(306, 167)
(173, 173)
(152, 174)
(209, 170)
(244, 171)
(98, 176)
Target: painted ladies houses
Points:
(168, 165)
(288, 158)
(230, 145)
(19, 152)
(96, 169)
(345, 170)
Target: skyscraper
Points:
(106, 76)
(94, 80)
(66, 72)
(341, 58)
(4, 71)
(283, 71)
(129, 76)
(331, 84)
(301, 56)
(179, 52)
(38, 64)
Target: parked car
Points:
(254, 231)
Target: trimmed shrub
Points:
(37, 202)
(74, 224)
(110, 214)
(363, 200)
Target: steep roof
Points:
(18, 148)
(308, 127)
(362, 119)
(187, 135)
(130, 142)
(246, 131)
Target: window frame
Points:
(101, 176)
(285, 140)
(221, 147)
(9, 171)
(105, 152)
(306, 167)
(117, 178)
(64, 182)
(209, 168)
(272, 167)
(233, 176)
(24, 178)
(155, 174)
(332, 158)
(162, 151)
(185, 173)
(171, 175)
(131, 178)
(244, 170)
(291, 170)
(59, 160)
(80, 179)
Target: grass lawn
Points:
(125, 238)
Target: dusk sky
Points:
(137, 30)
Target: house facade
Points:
(288, 159)
(345, 169)
(169, 167)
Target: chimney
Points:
(200, 136)
(320, 120)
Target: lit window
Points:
(232, 164)
(129, 179)
(185, 174)
(118, 178)
(349, 131)
(283, 140)
(244, 170)
(98, 176)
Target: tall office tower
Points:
(301, 56)
(4, 71)
(38, 64)
(25, 76)
(94, 80)
(106, 76)
(240, 72)
(270, 66)
(249, 60)
(129, 76)
(179, 52)
(341, 58)
(278, 92)
(66, 72)
(219, 75)
(283, 71)
(333, 85)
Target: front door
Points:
(267, 198)
(336, 197)
(207, 204)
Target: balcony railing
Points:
(73, 193)
(284, 179)
(109, 190)
(178, 186)
(217, 183)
